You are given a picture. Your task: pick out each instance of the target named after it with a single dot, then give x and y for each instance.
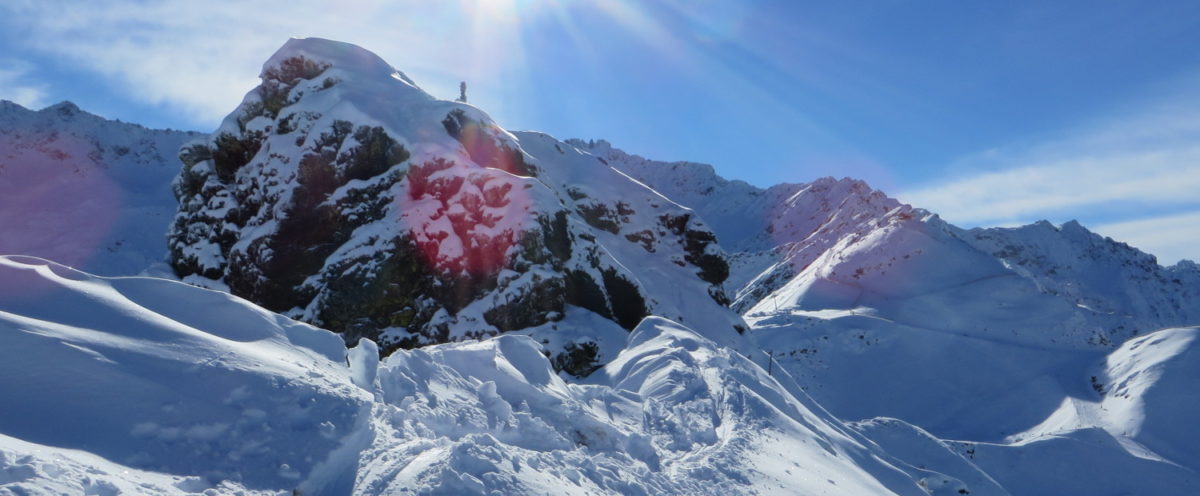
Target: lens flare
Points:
(56, 201)
(464, 220)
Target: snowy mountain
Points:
(993, 340)
(1096, 272)
(557, 317)
(83, 190)
(775, 234)
(341, 193)
(771, 234)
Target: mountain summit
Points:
(342, 194)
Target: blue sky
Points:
(989, 113)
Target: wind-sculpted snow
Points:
(341, 193)
(151, 386)
(85, 191)
(672, 414)
(164, 377)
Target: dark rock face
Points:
(578, 359)
(353, 200)
(697, 244)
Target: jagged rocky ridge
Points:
(1095, 272)
(771, 234)
(839, 244)
(342, 194)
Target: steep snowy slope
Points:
(771, 234)
(1138, 419)
(85, 191)
(910, 315)
(738, 212)
(1034, 420)
(838, 244)
(1143, 393)
(155, 387)
(341, 193)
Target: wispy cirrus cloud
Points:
(1056, 187)
(201, 57)
(1171, 237)
(17, 84)
(1134, 177)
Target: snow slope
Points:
(85, 191)
(989, 340)
(148, 386)
(913, 314)
(1143, 394)
(168, 378)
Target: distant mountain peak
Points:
(65, 108)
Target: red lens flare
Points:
(56, 201)
(464, 220)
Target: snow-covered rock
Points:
(771, 234)
(85, 191)
(343, 194)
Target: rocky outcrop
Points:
(340, 193)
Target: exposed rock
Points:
(342, 194)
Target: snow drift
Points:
(147, 385)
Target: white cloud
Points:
(1132, 175)
(15, 84)
(201, 57)
(1171, 238)
(1148, 159)
(1066, 187)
